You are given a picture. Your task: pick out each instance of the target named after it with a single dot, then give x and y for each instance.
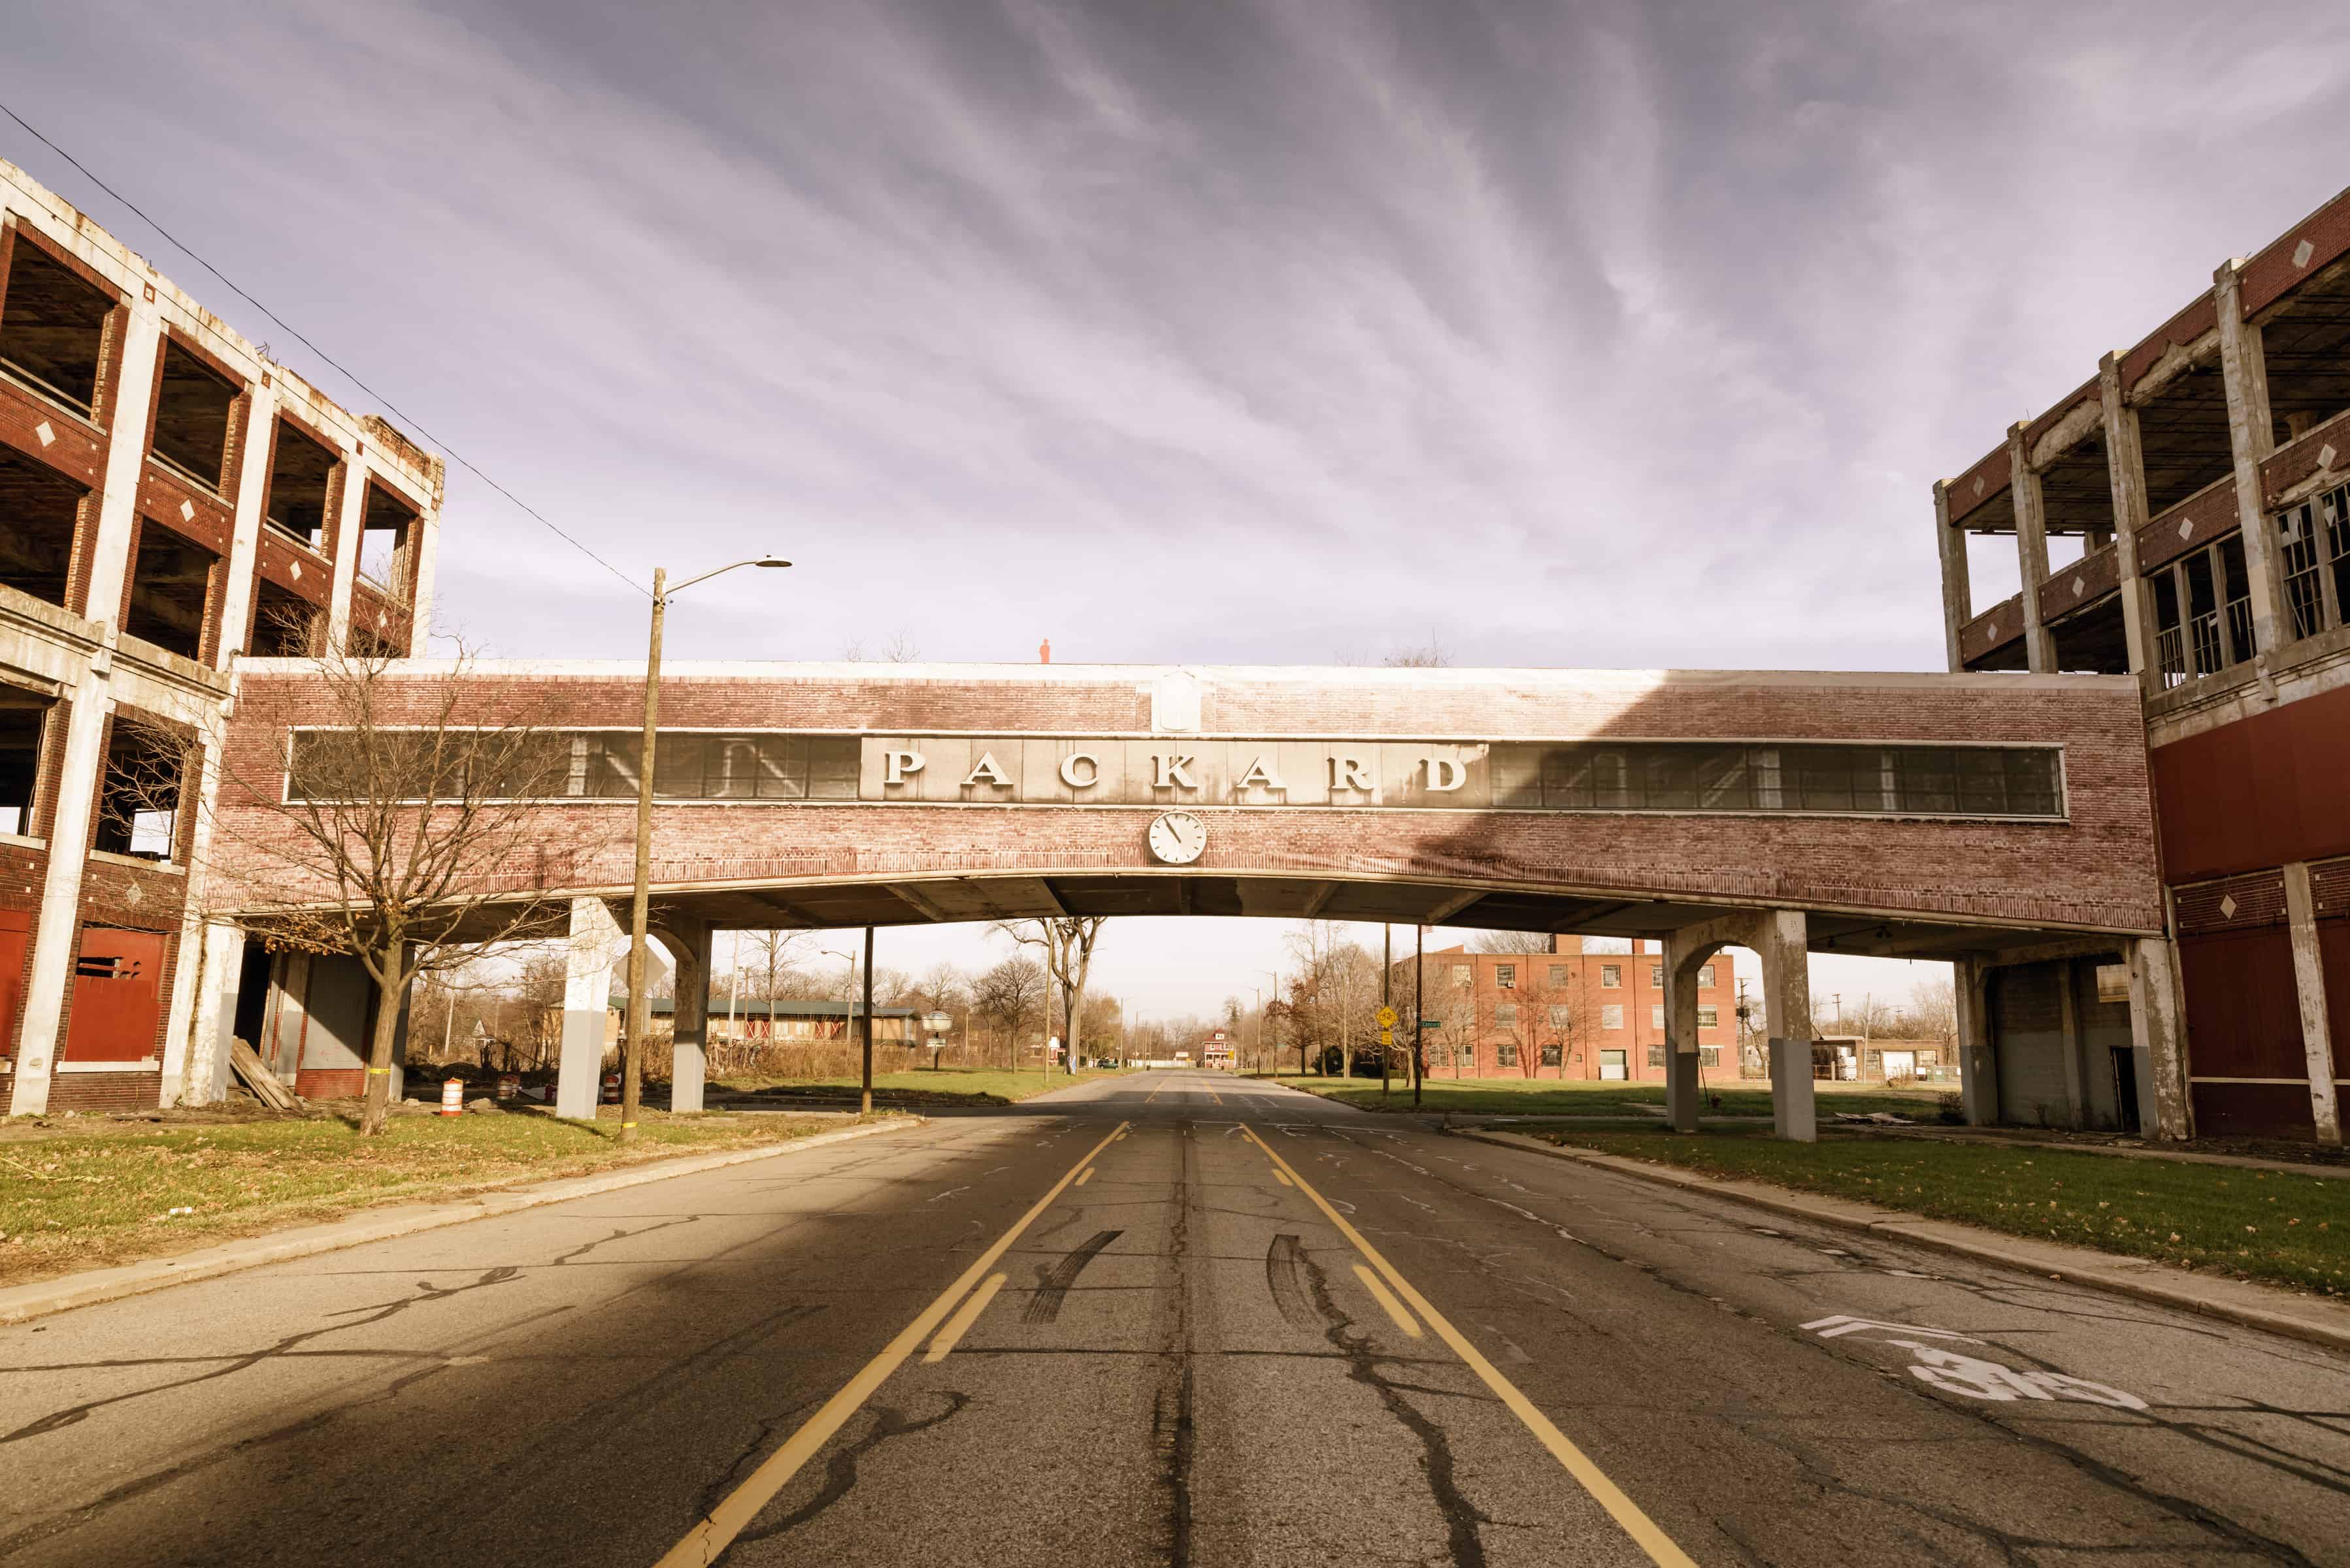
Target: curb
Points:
(2232, 1301)
(93, 1286)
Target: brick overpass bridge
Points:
(1998, 820)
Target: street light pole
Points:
(632, 1050)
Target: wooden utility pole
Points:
(1418, 1009)
(867, 1023)
(1387, 999)
(632, 1048)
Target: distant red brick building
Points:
(1597, 1016)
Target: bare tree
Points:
(384, 818)
(1934, 1010)
(1066, 942)
(1511, 942)
(1429, 655)
(1008, 994)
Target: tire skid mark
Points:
(1052, 1284)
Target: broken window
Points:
(300, 470)
(23, 717)
(40, 518)
(53, 329)
(386, 530)
(284, 624)
(171, 590)
(138, 798)
(192, 405)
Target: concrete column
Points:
(687, 945)
(2031, 549)
(1683, 958)
(346, 551)
(2068, 1041)
(253, 482)
(2251, 436)
(1957, 593)
(1785, 949)
(2126, 473)
(2309, 986)
(125, 457)
(586, 999)
(2158, 1031)
(56, 929)
(1978, 1054)
(204, 1080)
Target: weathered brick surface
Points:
(2096, 870)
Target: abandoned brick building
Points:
(170, 498)
(2182, 517)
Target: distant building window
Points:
(1655, 1055)
(1656, 975)
(1506, 1054)
(1464, 975)
(1612, 1016)
(1705, 976)
(1505, 1016)
(1550, 1054)
(1709, 1017)
(1611, 976)
(1708, 1055)
(1505, 977)
(1558, 974)
(1656, 1015)
(1560, 1014)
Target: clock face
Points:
(1177, 837)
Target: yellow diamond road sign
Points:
(1387, 1017)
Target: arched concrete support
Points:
(687, 942)
(1685, 955)
(1781, 938)
(586, 999)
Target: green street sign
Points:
(1432, 1024)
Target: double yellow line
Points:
(717, 1530)
(1609, 1496)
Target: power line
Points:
(344, 372)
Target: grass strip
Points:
(1574, 1097)
(2273, 1226)
(90, 1200)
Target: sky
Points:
(1607, 334)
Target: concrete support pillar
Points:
(253, 483)
(586, 1001)
(2158, 1031)
(2031, 549)
(204, 1077)
(1683, 958)
(1978, 1052)
(345, 538)
(2068, 1041)
(1958, 593)
(2126, 473)
(1784, 945)
(2309, 987)
(2251, 436)
(687, 946)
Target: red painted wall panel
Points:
(2242, 1020)
(2260, 792)
(2334, 954)
(117, 996)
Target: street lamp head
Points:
(770, 561)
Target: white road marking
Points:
(1837, 1327)
(949, 1192)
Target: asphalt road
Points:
(1165, 1319)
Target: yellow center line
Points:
(976, 1302)
(709, 1539)
(1386, 1298)
(1282, 1177)
(1643, 1529)
(1088, 1176)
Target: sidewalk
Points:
(93, 1286)
(2317, 1321)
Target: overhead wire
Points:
(341, 369)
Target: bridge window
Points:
(720, 767)
(1813, 777)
